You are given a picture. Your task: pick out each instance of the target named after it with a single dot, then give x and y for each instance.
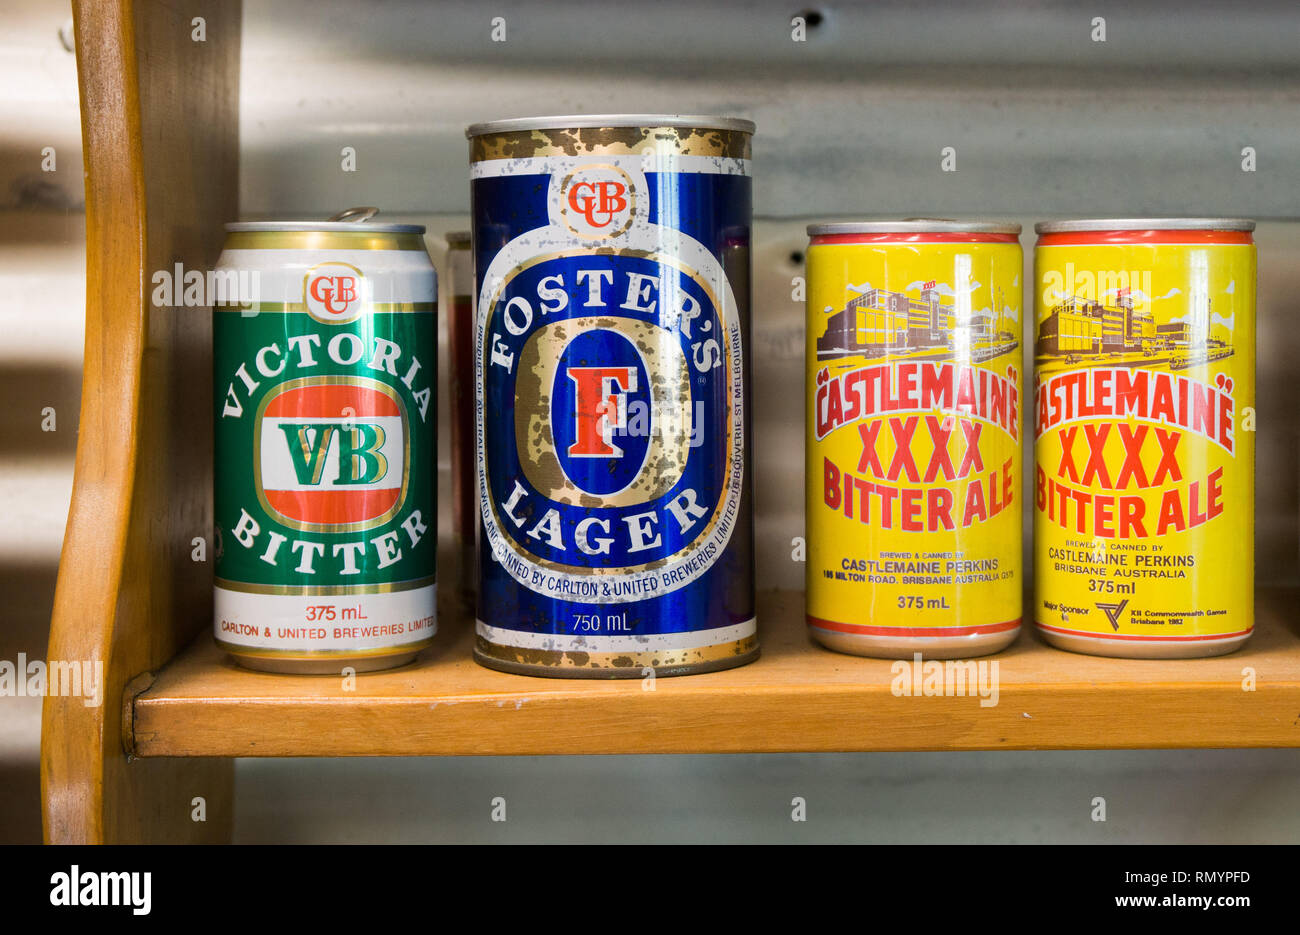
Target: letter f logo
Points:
(600, 407)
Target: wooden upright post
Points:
(159, 112)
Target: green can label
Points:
(325, 470)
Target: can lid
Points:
(351, 219)
(457, 238)
(913, 226)
(1144, 224)
(591, 121)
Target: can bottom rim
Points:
(332, 665)
(906, 647)
(556, 671)
(1144, 649)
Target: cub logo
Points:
(332, 453)
(334, 293)
(598, 201)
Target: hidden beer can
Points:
(1145, 455)
(913, 472)
(324, 372)
(459, 288)
(612, 261)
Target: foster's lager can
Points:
(611, 255)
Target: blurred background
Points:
(1051, 108)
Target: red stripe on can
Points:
(332, 400)
(918, 237)
(911, 631)
(1137, 238)
(1143, 639)
(333, 507)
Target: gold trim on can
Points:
(611, 140)
(335, 665)
(325, 590)
(323, 240)
(325, 654)
(293, 308)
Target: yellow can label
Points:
(1143, 485)
(914, 446)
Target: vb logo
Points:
(598, 201)
(332, 293)
(360, 452)
(317, 469)
(600, 409)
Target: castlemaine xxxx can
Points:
(612, 398)
(914, 523)
(1145, 454)
(324, 371)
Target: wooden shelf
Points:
(796, 698)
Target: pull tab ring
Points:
(355, 215)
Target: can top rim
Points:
(1144, 224)
(591, 121)
(457, 237)
(914, 226)
(324, 227)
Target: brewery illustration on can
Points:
(913, 452)
(1144, 475)
(324, 373)
(611, 391)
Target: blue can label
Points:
(611, 402)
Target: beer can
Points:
(611, 393)
(913, 471)
(460, 384)
(324, 374)
(1144, 453)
